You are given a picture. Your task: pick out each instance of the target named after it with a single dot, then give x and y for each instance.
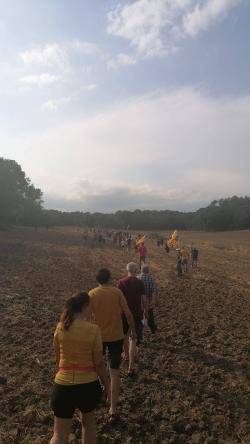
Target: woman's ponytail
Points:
(73, 306)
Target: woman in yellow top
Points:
(185, 258)
(78, 348)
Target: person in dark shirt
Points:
(134, 292)
(179, 263)
(194, 256)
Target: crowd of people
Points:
(99, 329)
(123, 239)
(120, 239)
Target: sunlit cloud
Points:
(154, 28)
(40, 80)
(51, 55)
(201, 17)
(120, 60)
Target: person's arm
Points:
(101, 371)
(56, 347)
(128, 314)
(91, 305)
(99, 363)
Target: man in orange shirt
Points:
(108, 304)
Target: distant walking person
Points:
(129, 243)
(78, 349)
(107, 304)
(134, 292)
(151, 294)
(142, 254)
(123, 244)
(185, 257)
(194, 256)
(179, 264)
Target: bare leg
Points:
(115, 389)
(88, 428)
(61, 431)
(126, 347)
(132, 353)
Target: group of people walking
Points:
(105, 322)
(183, 259)
(97, 330)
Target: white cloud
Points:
(87, 48)
(40, 80)
(120, 60)
(55, 55)
(55, 104)
(52, 55)
(91, 87)
(141, 23)
(154, 27)
(178, 149)
(59, 59)
(202, 17)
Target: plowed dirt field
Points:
(191, 385)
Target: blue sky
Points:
(113, 105)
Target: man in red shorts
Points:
(134, 292)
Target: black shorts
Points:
(138, 326)
(114, 353)
(66, 398)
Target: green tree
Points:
(20, 201)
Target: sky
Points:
(123, 104)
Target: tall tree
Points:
(20, 201)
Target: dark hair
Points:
(73, 305)
(103, 276)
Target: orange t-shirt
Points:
(107, 305)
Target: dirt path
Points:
(192, 376)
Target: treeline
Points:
(221, 215)
(21, 204)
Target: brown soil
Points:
(192, 382)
